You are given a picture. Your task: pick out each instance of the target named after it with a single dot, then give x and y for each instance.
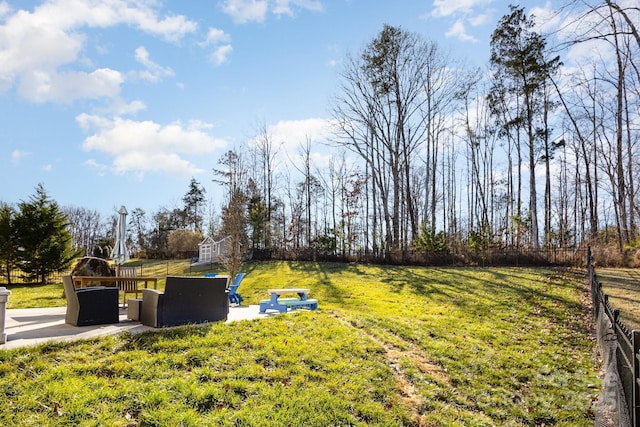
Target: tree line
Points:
(429, 156)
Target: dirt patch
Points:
(410, 394)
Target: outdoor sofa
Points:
(186, 300)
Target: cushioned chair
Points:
(186, 300)
(90, 306)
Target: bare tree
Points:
(86, 227)
(393, 99)
(265, 179)
(234, 176)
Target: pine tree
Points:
(518, 100)
(8, 248)
(42, 236)
(194, 200)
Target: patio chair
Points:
(128, 286)
(234, 296)
(96, 305)
(186, 300)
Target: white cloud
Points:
(52, 36)
(452, 7)
(292, 133)
(283, 7)
(145, 146)
(154, 72)
(100, 168)
(221, 54)
(40, 86)
(129, 108)
(18, 155)
(473, 12)
(568, 25)
(458, 31)
(220, 41)
(215, 36)
(69, 15)
(47, 168)
(5, 9)
(546, 19)
(244, 11)
(118, 107)
(478, 20)
(289, 136)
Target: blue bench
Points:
(311, 304)
(283, 304)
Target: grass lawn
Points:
(623, 287)
(389, 346)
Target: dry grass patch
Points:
(623, 287)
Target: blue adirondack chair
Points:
(234, 296)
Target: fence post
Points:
(597, 299)
(4, 296)
(635, 411)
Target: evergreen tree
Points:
(43, 238)
(194, 201)
(8, 248)
(258, 217)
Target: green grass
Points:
(623, 287)
(389, 346)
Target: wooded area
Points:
(428, 156)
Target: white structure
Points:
(4, 296)
(210, 250)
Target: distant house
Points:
(210, 250)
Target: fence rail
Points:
(627, 352)
(492, 257)
(144, 268)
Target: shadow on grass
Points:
(322, 273)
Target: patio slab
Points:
(32, 326)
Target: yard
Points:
(623, 287)
(388, 346)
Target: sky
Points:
(123, 102)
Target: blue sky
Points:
(122, 102)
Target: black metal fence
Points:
(17, 277)
(491, 257)
(627, 352)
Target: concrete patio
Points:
(32, 326)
